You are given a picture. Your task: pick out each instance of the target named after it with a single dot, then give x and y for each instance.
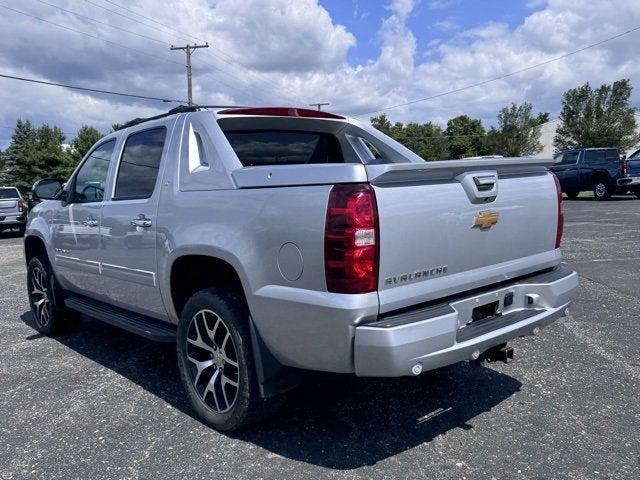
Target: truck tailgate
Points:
(8, 205)
(440, 234)
(633, 167)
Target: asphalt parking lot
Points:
(101, 403)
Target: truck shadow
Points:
(614, 198)
(335, 421)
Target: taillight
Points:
(20, 206)
(351, 239)
(623, 167)
(560, 227)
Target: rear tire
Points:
(572, 194)
(22, 229)
(216, 363)
(44, 293)
(636, 192)
(601, 190)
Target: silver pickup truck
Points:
(266, 241)
(13, 210)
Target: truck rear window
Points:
(283, 147)
(6, 193)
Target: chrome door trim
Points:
(143, 277)
(90, 266)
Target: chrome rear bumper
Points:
(628, 181)
(439, 335)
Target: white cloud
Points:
(446, 25)
(281, 35)
(441, 4)
(296, 54)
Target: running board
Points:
(142, 325)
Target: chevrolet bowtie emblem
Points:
(485, 220)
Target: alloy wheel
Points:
(213, 361)
(39, 296)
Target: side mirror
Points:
(46, 189)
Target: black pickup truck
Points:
(599, 169)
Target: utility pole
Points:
(319, 105)
(189, 49)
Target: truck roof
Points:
(235, 110)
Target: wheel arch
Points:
(601, 175)
(192, 272)
(34, 246)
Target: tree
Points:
(17, 167)
(49, 152)
(424, 139)
(597, 118)
(382, 123)
(86, 137)
(32, 154)
(465, 137)
(517, 133)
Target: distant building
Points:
(548, 131)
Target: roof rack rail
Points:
(173, 111)
(178, 109)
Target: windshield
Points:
(6, 193)
(635, 154)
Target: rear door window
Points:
(140, 164)
(281, 147)
(567, 158)
(9, 193)
(612, 155)
(594, 156)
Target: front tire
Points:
(216, 362)
(636, 192)
(41, 287)
(601, 190)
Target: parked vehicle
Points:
(264, 241)
(598, 169)
(13, 212)
(631, 179)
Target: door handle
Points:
(141, 221)
(90, 222)
(484, 182)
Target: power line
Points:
(153, 39)
(87, 34)
(502, 77)
(153, 20)
(129, 18)
(189, 49)
(185, 36)
(93, 90)
(166, 43)
(114, 43)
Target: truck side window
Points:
(140, 164)
(594, 156)
(88, 185)
(569, 158)
(613, 156)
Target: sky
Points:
(361, 56)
